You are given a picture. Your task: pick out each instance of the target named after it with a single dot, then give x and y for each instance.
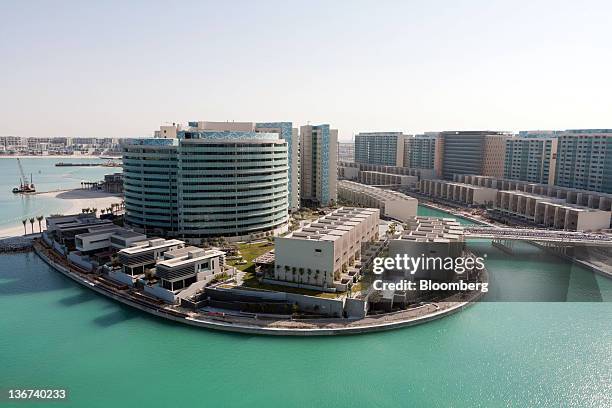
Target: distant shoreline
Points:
(75, 200)
(18, 156)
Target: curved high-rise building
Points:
(212, 180)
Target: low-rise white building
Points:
(551, 212)
(458, 192)
(64, 228)
(390, 203)
(182, 267)
(430, 238)
(106, 238)
(143, 255)
(316, 255)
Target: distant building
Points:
(390, 203)
(531, 159)
(584, 159)
(550, 212)
(113, 183)
(50, 146)
(384, 148)
(319, 162)
(352, 171)
(346, 152)
(473, 152)
(376, 178)
(465, 194)
(572, 196)
(287, 132)
(420, 151)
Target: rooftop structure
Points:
(390, 203)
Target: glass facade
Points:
(584, 160)
(207, 184)
(379, 148)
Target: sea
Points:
(542, 337)
(45, 177)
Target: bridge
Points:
(538, 235)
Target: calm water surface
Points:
(57, 334)
(46, 177)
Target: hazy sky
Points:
(123, 68)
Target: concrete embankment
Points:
(265, 327)
(16, 244)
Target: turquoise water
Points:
(432, 212)
(57, 334)
(46, 177)
(521, 352)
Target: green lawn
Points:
(251, 282)
(249, 252)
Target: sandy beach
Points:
(76, 200)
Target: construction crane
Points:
(24, 187)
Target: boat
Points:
(24, 186)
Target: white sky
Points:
(122, 69)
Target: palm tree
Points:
(39, 219)
(25, 231)
(102, 211)
(32, 222)
(94, 210)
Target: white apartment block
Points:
(391, 204)
(316, 255)
(377, 178)
(585, 198)
(462, 193)
(551, 212)
(429, 237)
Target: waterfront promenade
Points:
(268, 325)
